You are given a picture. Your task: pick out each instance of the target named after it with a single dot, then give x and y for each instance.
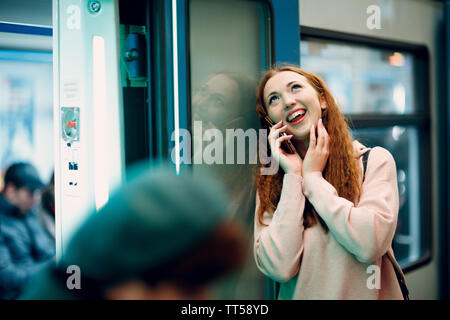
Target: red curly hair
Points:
(342, 168)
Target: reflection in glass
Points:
(363, 79)
(402, 142)
(228, 53)
(227, 101)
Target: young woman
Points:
(320, 230)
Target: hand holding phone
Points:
(286, 145)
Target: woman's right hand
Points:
(289, 162)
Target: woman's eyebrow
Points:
(287, 86)
(273, 92)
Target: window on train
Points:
(372, 86)
(229, 49)
(363, 79)
(403, 144)
(26, 109)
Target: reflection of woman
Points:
(226, 101)
(320, 230)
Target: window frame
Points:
(420, 119)
(443, 139)
(26, 29)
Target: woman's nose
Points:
(289, 101)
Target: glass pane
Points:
(228, 42)
(403, 144)
(362, 79)
(26, 109)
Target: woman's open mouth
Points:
(296, 116)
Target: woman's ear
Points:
(323, 102)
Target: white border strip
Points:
(175, 85)
(101, 129)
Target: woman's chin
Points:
(301, 131)
(300, 135)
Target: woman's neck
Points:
(301, 146)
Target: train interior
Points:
(135, 76)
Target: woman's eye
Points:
(295, 87)
(216, 101)
(272, 99)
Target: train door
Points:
(145, 80)
(229, 45)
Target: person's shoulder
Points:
(6, 218)
(376, 153)
(381, 163)
(11, 227)
(359, 148)
(381, 154)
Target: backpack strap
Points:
(365, 157)
(400, 275)
(398, 270)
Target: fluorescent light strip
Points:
(101, 177)
(175, 85)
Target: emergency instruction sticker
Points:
(70, 117)
(70, 91)
(70, 150)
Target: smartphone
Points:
(286, 145)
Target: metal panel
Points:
(87, 110)
(286, 49)
(286, 36)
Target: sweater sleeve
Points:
(366, 231)
(278, 245)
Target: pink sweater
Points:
(313, 264)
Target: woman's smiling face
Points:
(289, 97)
(217, 101)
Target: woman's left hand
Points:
(317, 155)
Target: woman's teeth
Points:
(295, 115)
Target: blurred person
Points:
(322, 226)
(25, 246)
(160, 236)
